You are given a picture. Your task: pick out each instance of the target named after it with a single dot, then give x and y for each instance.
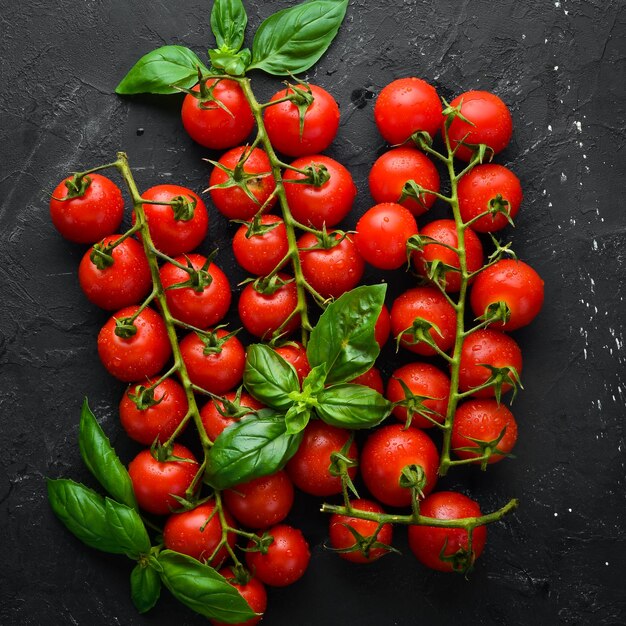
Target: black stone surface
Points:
(560, 66)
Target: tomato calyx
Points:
(212, 341)
(500, 376)
(496, 312)
(485, 449)
(414, 191)
(260, 543)
(341, 463)
(302, 98)
(143, 397)
(183, 207)
(365, 544)
(268, 285)
(419, 332)
(414, 405)
(101, 255)
(77, 185)
(413, 477)
(422, 139)
(315, 174)
(125, 327)
(453, 112)
(256, 226)
(500, 205)
(463, 559)
(232, 409)
(199, 279)
(326, 240)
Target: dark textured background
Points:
(560, 67)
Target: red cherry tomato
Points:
(214, 422)
(260, 254)
(90, 217)
(372, 379)
(253, 593)
(383, 327)
(295, 354)
(139, 356)
(321, 122)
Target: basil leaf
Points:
(228, 23)
(297, 418)
(158, 70)
(232, 64)
(101, 460)
(127, 528)
(344, 335)
(352, 406)
(269, 378)
(145, 587)
(252, 447)
(315, 379)
(202, 589)
(293, 39)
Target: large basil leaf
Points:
(202, 589)
(127, 528)
(344, 335)
(145, 587)
(158, 70)
(293, 39)
(101, 459)
(228, 23)
(352, 406)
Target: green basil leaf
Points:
(145, 587)
(293, 39)
(158, 70)
(315, 380)
(232, 64)
(101, 460)
(228, 23)
(297, 418)
(251, 447)
(269, 378)
(127, 528)
(352, 406)
(202, 589)
(344, 335)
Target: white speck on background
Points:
(556, 67)
(556, 515)
(550, 127)
(563, 177)
(579, 127)
(595, 244)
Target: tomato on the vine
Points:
(295, 354)
(260, 253)
(382, 329)
(253, 593)
(371, 379)
(215, 422)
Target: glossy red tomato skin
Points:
(215, 127)
(253, 593)
(309, 466)
(430, 304)
(214, 422)
(327, 204)
(233, 202)
(199, 308)
(445, 232)
(261, 502)
(158, 421)
(490, 347)
(140, 356)
(483, 184)
(321, 122)
(513, 282)
(386, 452)
(198, 532)
(333, 271)
(286, 560)
(405, 106)
(372, 379)
(341, 537)
(90, 217)
(127, 281)
(295, 354)
(383, 327)
(169, 235)
(382, 233)
(491, 119)
(217, 372)
(260, 254)
(393, 169)
(422, 379)
(155, 483)
(483, 420)
(427, 542)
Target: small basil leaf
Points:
(101, 460)
(232, 64)
(145, 587)
(293, 39)
(158, 70)
(228, 23)
(352, 406)
(297, 418)
(202, 589)
(127, 528)
(344, 335)
(315, 379)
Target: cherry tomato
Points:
(170, 235)
(159, 420)
(203, 305)
(430, 304)
(253, 593)
(405, 106)
(155, 483)
(422, 379)
(233, 202)
(260, 254)
(309, 468)
(126, 281)
(383, 327)
(330, 271)
(321, 122)
(484, 186)
(372, 379)
(327, 204)
(428, 542)
(445, 232)
(381, 235)
(216, 368)
(214, 422)
(214, 126)
(393, 169)
(490, 119)
(198, 532)
(487, 347)
(139, 356)
(295, 354)
(90, 217)
(286, 559)
(390, 449)
(483, 420)
(341, 538)
(516, 284)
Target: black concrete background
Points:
(560, 67)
